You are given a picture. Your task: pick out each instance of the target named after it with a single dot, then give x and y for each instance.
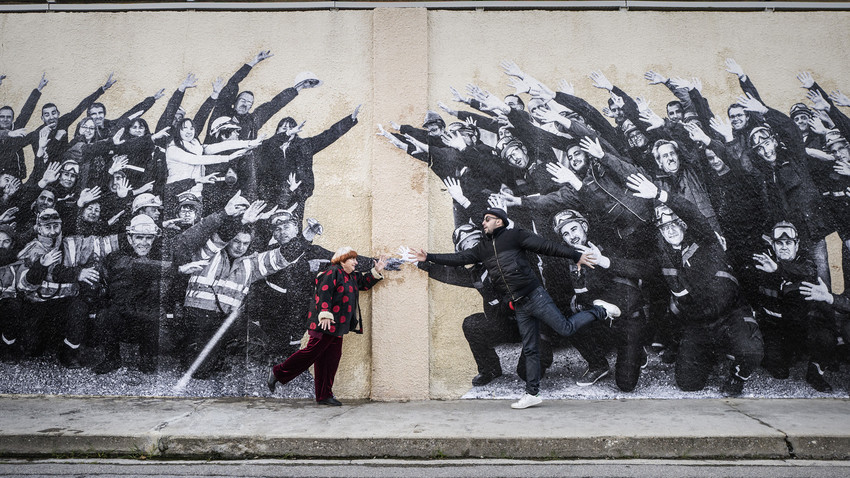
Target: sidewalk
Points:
(50, 426)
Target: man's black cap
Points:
(500, 213)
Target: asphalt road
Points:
(427, 469)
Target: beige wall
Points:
(398, 63)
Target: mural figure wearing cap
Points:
(614, 280)
(780, 157)
(221, 273)
(334, 312)
(275, 307)
(54, 271)
(503, 253)
(134, 282)
(712, 318)
(791, 325)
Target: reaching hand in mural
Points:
(456, 96)
(696, 133)
(752, 104)
(194, 267)
(818, 101)
(407, 254)
(292, 182)
(642, 186)
(109, 82)
(842, 168)
(839, 98)
(600, 80)
(806, 79)
(765, 263)
(562, 174)
(733, 67)
(818, 292)
(566, 87)
(723, 126)
(456, 192)
(654, 77)
(42, 83)
(262, 55)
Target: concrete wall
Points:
(398, 63)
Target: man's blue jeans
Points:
(538, 306)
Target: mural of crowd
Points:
(123, 233)
(709, 229)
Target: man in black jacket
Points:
(503, 252)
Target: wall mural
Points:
(708, 232)
(144, 259)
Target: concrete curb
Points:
(176, 428)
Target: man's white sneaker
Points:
(611, 311)
(526, 401)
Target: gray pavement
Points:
(65, 426)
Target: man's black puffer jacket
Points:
(503, 254)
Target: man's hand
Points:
(817, 126)
(642, 104)
(653, 120)
(252, 214)
(109, 82)
(733, 67)
(681, 83)
(266, 215)
(566, 87)
(765, 263)
(292, 183)
(751, 104)
(217, 86)
(642, 187)
(842, 168)
(592, 147)
(456, 96)
(51, 257)
(512, 69)
(839, 98)
(161, 133)
(818, 101)
(88, 195)
(420, 255)
(159, 94)
(356, 112)
(12, 187)
(587, 259)
(8, 215)
(122, 187)
(119, 162)
(600, 81)
(18, 133)
(51, 174)
(696, 133)
(89, 276)
(117, 137)
(819, 292)
(806, 79)
(191, 81)
(696, 83)
(723, 127)
(445, 108)
(452, 140)
(262, 55)
(193, 267)
(654, 77)
(235, 205)
(592, 250)
(147, 187)
(456, 191)
(562, 174)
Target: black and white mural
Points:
(140, 257)
(173, 254)
(709, 229)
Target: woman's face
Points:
(187, 131)
(136, 129)
(349, 265)
(87, 129)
